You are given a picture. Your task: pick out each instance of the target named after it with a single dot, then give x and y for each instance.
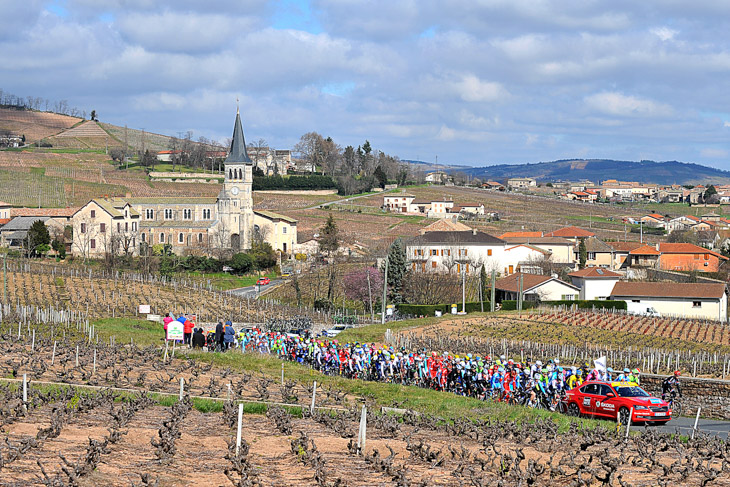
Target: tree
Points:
(582, 253)
(329, 242)
(263, 256)
(355, 284)
(117, 154)
(38, 239)
(380, 177)
(329, 239)
(484, 283)
(93, 115)
(709, 192)
(241, 263)
(397, 270)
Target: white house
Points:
(560, 249)
(398, 202)
(438, 177)
(535, 288)
(440, 209)
(457, 251)
(518, 183)
(594, 282)
(688, 300)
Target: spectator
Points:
(229, 335)
(219, 336)
(166, 321)
(188, 328)
(198, 338)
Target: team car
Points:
(616, 400)
(263, 281)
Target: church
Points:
(190, 225)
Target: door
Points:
(604, 405)
(511, 269)
(590, 395)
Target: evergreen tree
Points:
(38, 239)
(397, 270)
(329, 239)
(582, 253)
(380, 177)
(484, 283)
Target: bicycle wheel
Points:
(676, 408)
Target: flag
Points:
(600, 364)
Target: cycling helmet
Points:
(538, 363)
(677, 373)
(502, 357)
(580, 372)
(636, 371)
(627, 370)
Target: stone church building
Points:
(191, 225)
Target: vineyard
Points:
(658, 346)
(98, 414)
(115, 296)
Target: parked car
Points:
(336, 330)
(263, 281)
(615, 400)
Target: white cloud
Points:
(726, 124)
(620, 105)
(471, 88)
(710, 153)
(664, 33)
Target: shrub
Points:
(241, 263)
(511, 304)
(589, 304)
(430, 309)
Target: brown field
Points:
(35, 125)
(65, 436)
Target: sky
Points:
(471, 82)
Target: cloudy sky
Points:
(476, 82)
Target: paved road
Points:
(252, 292)
(345, 200)
(684, 425)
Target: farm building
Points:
(534, 288)
(676, 257)
(687, 300)
(520, 183)
(594, 282)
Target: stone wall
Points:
(712, 395)
(659, 274)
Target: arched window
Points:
(180, 238)
(200, 238)
(162, 238)
(144, 238)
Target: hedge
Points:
(430, 309)
(314, 181)
(589, 304)
(511, 304)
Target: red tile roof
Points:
(686, 248)
(511, 283)
(570, 232)
(645, 250)
(520, 234)
(656, 216)
(595, 272)
(669, 289)
(3, 221)
(624, 246)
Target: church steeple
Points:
(238, 146)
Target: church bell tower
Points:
(235, 201)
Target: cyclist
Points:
(624, 376)
(671, 384)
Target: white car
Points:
(337, 329)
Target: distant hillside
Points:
(597, 170)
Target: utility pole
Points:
(519, 292)
(481, 290)
(463, 289)
(641, 231)
(5, 278)
(385, 288)
(494, 281)
(370, 297)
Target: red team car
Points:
(615, 400)
(263, 281)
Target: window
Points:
(697, 256)
(433, 264)
(568, 297)
(102, 227)
(635, 300)
(83, 228)
(206, 214)
(466, 252)
(149, 214)
(180, 238)
(283, 230)
(434, 252)
(200, 238)
(591, 256)
(696, 304)
(458, 268)
(489, 252)
(413, 266)
(187, 214)
(707, 256)
(144, 237)
(93, 213)
(423, 267)
(93, 243)
(119, 227)
(126, 226)
(168, 214)
(134, 226)
(162, 238)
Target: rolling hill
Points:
(596, 170)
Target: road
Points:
(345, 200)
(252, 292)
(709, 426)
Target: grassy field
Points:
(225, 281)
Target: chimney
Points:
(473, 231)
(128, 195)
(657, 247)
